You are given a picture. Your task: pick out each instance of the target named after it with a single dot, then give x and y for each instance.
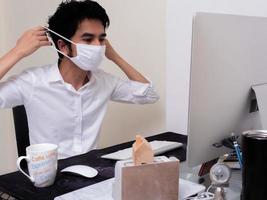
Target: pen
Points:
(238, 153)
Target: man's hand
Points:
(111, 54)
(31, 40)
(130, 72)
(28, 43)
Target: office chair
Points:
(22, 138)
(21, 129)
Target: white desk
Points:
(232, 192)
(103, 190)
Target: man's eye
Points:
(101, 39)
(87, 39)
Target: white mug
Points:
(42, 164)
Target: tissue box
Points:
(157, 181)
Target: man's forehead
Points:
(90, 32)
(90, 25)
(90, 29)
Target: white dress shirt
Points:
(59, 114)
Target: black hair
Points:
(70, 14)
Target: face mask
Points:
(88, 57)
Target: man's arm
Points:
(28, 43)
(131, 72)
(138, 90)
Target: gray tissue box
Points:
(157, 181)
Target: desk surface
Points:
(17, 185)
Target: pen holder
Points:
(157, 181)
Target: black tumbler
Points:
(254, 173)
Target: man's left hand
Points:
(111, 54)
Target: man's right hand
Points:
(28, 43)
(31, 40)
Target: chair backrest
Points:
(21, 129)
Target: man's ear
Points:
(62, 46)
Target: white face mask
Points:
(88, 57)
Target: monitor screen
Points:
(229, 55)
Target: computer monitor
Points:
(229, 55)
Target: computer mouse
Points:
(81, 170)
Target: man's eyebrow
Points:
(93, 35)
(103, 35)
(88, 35)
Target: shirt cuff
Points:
(141, 89)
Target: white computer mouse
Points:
(81, 170)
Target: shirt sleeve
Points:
(129, 91)
(17, 90)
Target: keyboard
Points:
(5, 196)
(158, 147)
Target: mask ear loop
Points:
(54, 47)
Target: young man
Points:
(66, 102)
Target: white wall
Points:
(133, 33)
(14, 20)
(179, 33)
(7, 141)
(138, 32)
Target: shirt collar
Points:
(54, 74)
